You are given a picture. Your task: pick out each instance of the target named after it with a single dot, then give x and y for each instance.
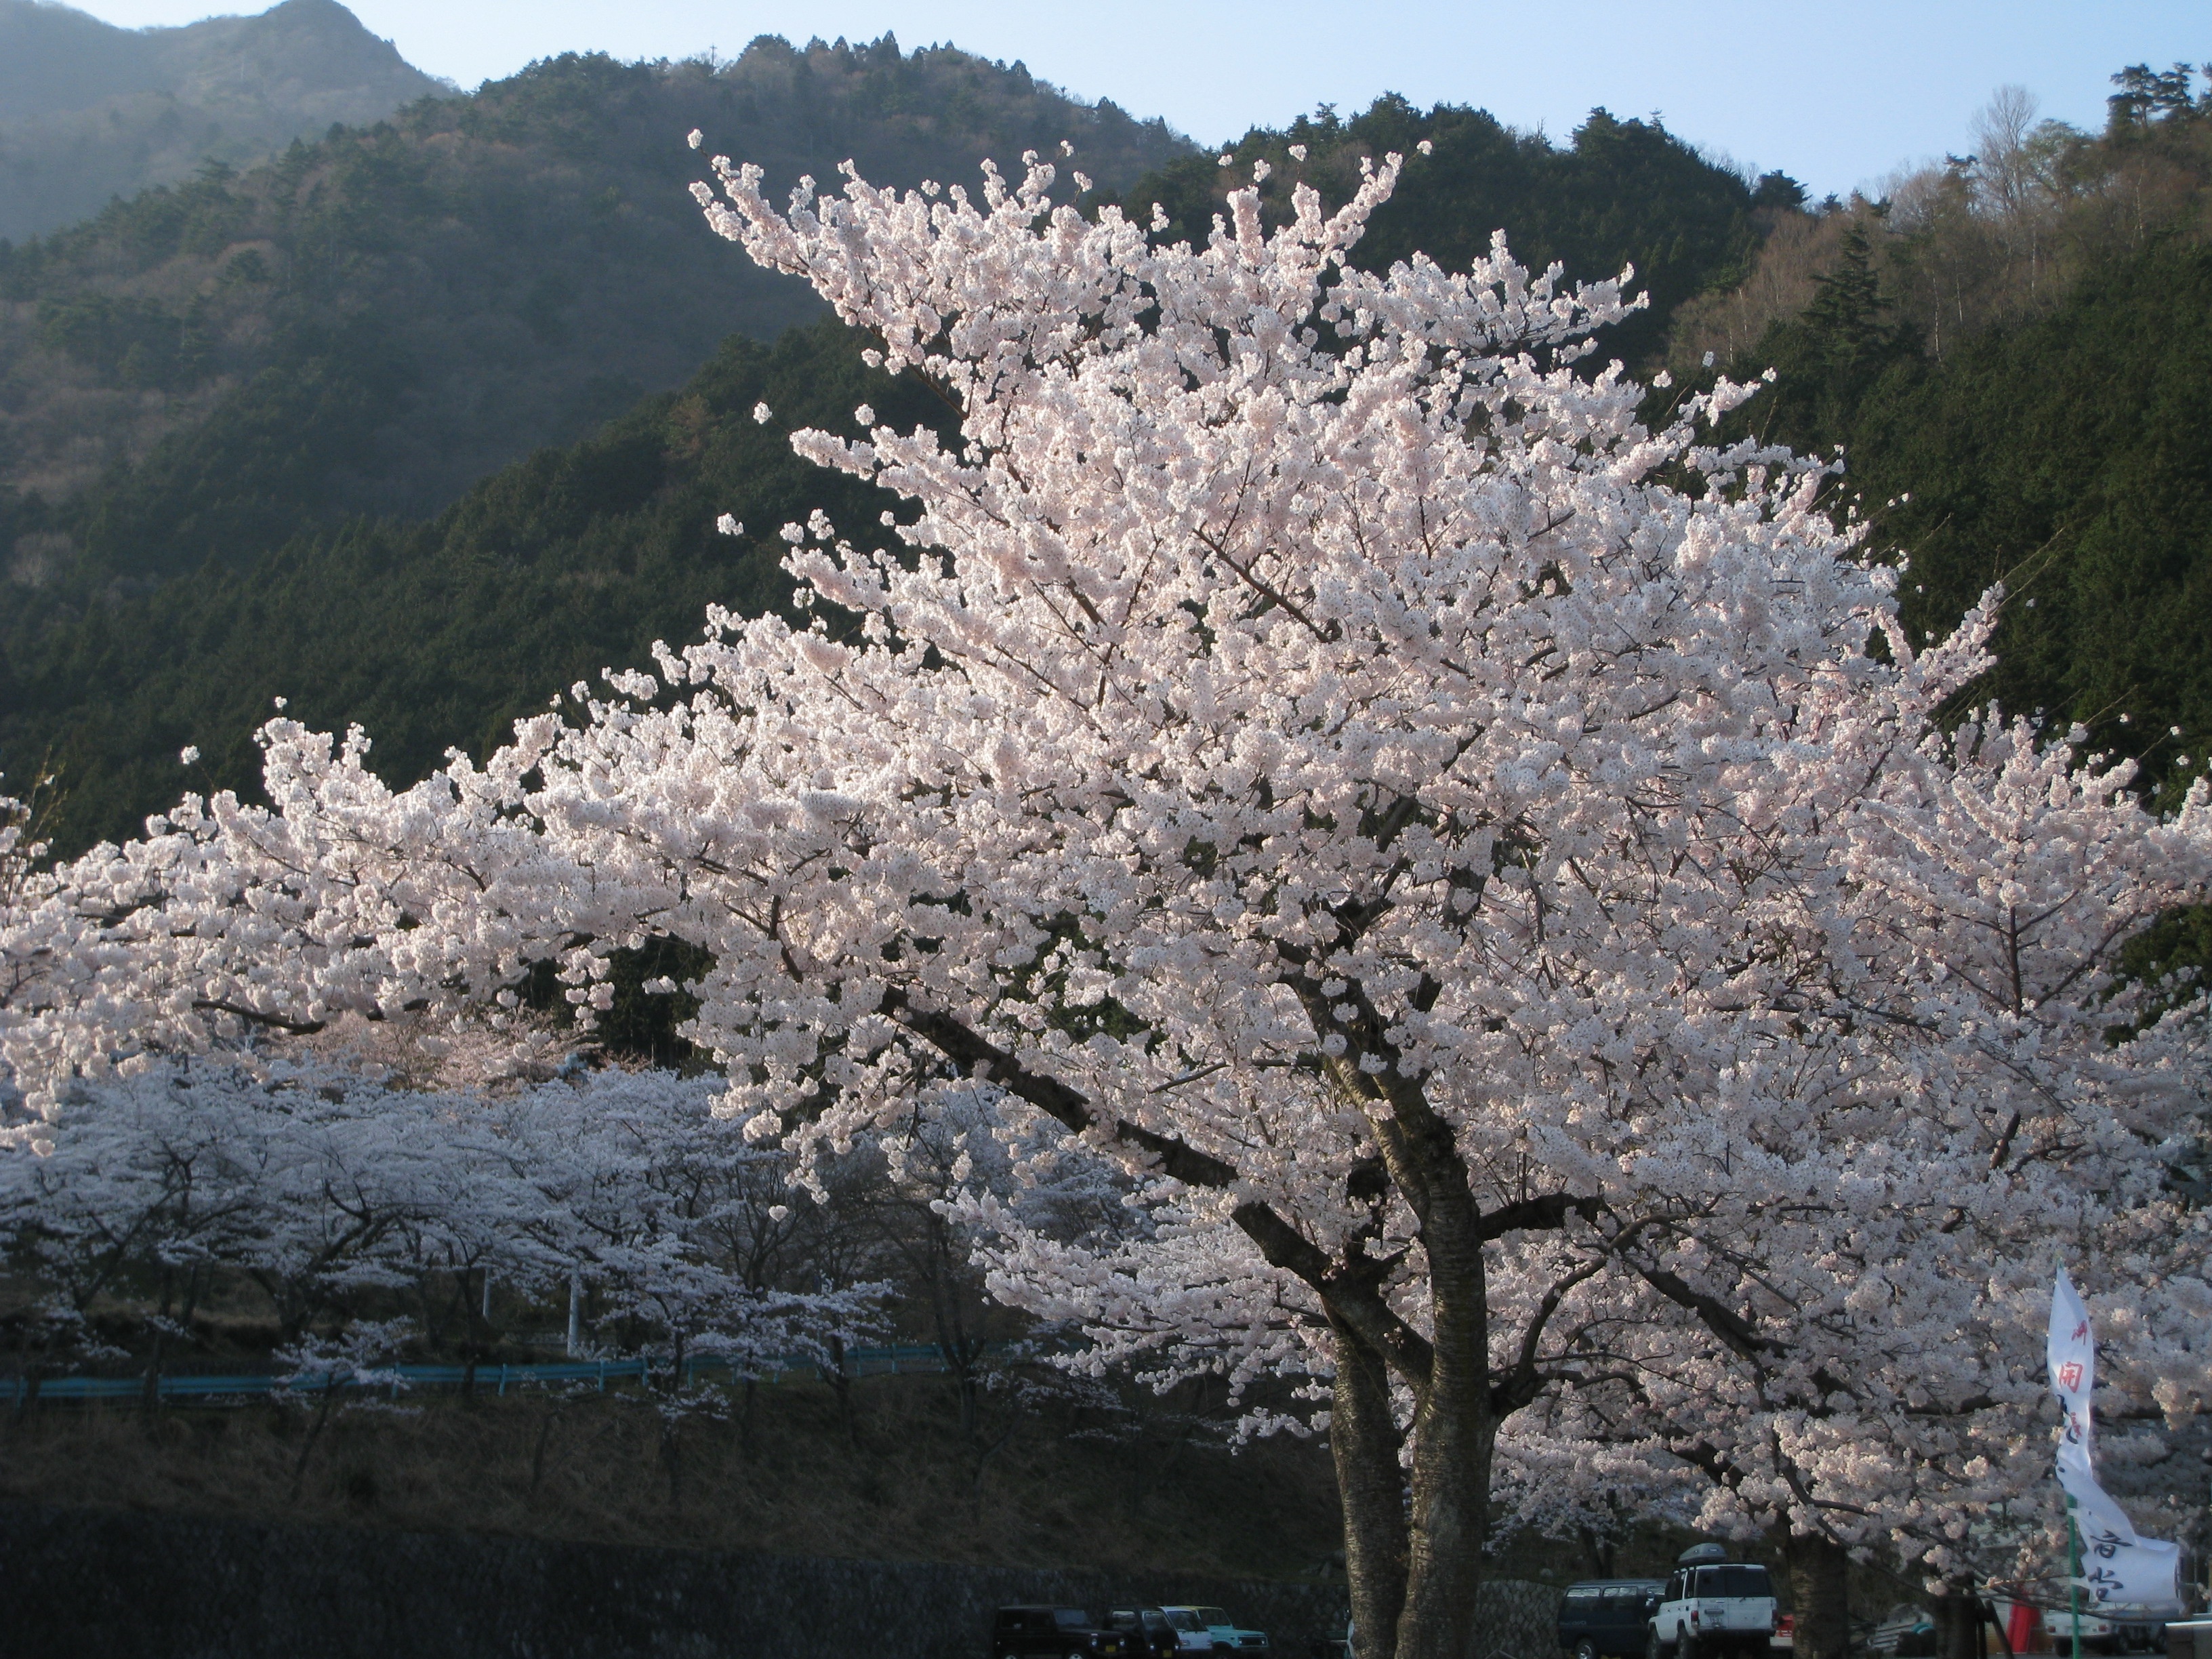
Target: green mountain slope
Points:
(441, 633)
(404, 308)
(2070, 456)
(2063, 443)
(89, 110)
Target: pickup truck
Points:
(1209, 1630)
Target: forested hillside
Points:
(438, 633)
(89, 110)
(375, 320)
(2014, 352)
(1617, 193)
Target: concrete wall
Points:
(114, 1584)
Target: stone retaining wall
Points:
(87, 1584)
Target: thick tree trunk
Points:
(1454, 1435)
(1958, 1614)
(1819, 1588)
(1363, 1438)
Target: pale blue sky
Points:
(1836, 93)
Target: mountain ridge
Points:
(484, 274)
(89, 111)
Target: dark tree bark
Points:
(1958, 1614)
(149, 1396)
(1988, 1612)
(537, 1453)
(1455, 1431)
(841, 1384)
(1819, 1587)
(314, 1433)
(1458, 1402)
(1363, 1439)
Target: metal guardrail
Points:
(921, 1358)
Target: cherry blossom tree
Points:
(1868, 1304)
(1485, 867)
(334, 1191)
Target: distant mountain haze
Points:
(89, 111)
(375, 320)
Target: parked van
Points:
(1607, 1618)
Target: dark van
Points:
(1056, 1633)
(1606, 1618)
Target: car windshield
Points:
(1070, 1618)
(1185, 1619)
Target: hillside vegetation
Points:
(2050, 428)
(374, 321)
(431, 634)
(89, 110)
(1617, 194)
(2014, 353)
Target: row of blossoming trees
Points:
(339, 1196)
(1561, 977)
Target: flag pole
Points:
(2073, 1579)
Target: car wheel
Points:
(1686, 1647)
(1653, 1647)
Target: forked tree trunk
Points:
(1363, 1439)
(1819, 1588)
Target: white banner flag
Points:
(2071, 1348)
(2120, 1567)
(2095, 1515)
(2144, 1574)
